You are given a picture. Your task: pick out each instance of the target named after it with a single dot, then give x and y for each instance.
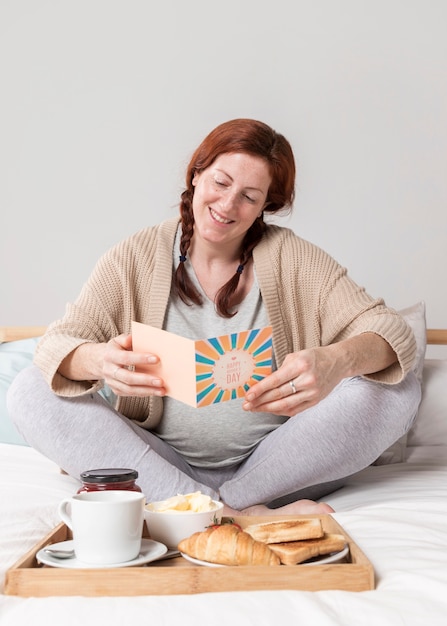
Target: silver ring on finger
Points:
(294, 389)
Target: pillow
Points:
(14, 357)
(415, 318)
(430, 427)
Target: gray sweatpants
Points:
(308, 456)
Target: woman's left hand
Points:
(303, 380)
(308, 376)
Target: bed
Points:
(395, 510)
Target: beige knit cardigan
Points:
(310, 299)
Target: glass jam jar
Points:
(107, 479)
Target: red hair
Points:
(250, 137)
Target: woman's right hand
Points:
(114, 362)
(119, 367)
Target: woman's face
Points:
(228, 196)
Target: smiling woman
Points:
(241, 169)
(216, 270)
(233, 191)
(228, 197)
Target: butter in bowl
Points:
(169, 521)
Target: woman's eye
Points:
(249, 198)
(219, 183)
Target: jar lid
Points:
(109, 475)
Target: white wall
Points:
(103, 101)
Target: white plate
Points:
(197, 562)
(150, 551)
(334, 557)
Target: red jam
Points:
(107, 479)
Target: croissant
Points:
(227, 545)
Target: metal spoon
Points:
(58, 553)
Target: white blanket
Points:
(396, 513)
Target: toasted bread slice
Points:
(280, 531)
(293, 552)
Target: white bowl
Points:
(170, 527)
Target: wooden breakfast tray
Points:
(178, 576)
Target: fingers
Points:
(121, 368)
(119, 353)
(304, 378)
(131, 373)
(125, 381)
(286, 399)
(123, 341)
(277, 385)
(288, 391)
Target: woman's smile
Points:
(219, 218)
(228, 197)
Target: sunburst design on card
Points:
(228, 365)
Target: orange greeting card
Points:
(206, 371)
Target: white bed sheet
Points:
(396, 513)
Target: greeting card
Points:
(206, 371)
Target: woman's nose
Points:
(228, 200)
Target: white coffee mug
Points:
(107, 526)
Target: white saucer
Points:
(334, 557)
(150, 551)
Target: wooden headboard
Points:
(435, 336)
(14, 333)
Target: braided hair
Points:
(254, 138)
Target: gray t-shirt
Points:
(217, 435)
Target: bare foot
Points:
(300, 507)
